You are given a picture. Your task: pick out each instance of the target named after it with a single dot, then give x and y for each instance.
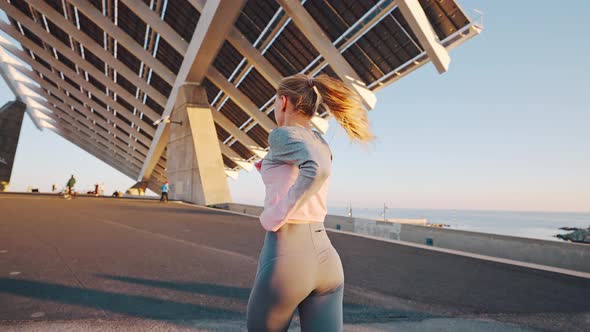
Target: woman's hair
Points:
(323, 93)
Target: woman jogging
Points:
(298, 267)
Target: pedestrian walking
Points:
(70, 185)
(164, 188)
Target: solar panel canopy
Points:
(101, 73)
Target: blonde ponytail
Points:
(323, 93)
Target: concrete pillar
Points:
(11, 119)
(138, 189)
(195, 168)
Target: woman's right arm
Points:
(314, 168)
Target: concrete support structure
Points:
(138, 189)
(11, 119)
(195, 167)
(217, 17)
(416, 18)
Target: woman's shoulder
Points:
(285, 135)
(291, 132)
(297, 141)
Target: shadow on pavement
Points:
(354, 313)
(131, 305)
(192, 287)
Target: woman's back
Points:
(295, 151)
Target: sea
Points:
(528, 224)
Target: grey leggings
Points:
(298, 268)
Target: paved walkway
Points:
(133, 265)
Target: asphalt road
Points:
(135, 265)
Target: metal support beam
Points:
(94, 152)
(231, 154)
(150, 163)
(262, 65)
(83, 39)
(62, 117)
(78, 78)
(113, 155)
(121, 36)
(318, 38)
(377, 14)
(122, 142)
(416, 18)
(240, 99)
(62, 83)
(82, 63)
(82, 124)
(449, 43)
(241, 136)
(81, 107)
(153, 20)
(216, 19)
(88, 121)
(113, 159)
(239, 41)
(5, 74)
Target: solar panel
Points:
(119, 96)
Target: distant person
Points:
(164, 188)
(96, 189)
(53, 187)
(298, 266)
(70, 185)
(101, 189)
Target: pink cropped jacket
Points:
(296, 174)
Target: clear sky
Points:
(507, 127)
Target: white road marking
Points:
(3, 251)
(225, 252)
(38, 314)
(14, 273)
